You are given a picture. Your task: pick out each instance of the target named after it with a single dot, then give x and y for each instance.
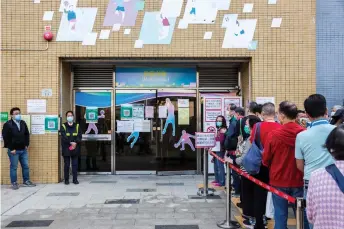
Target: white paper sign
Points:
(138, 111)
(90, 39)
(138, 44)
(262, 100)
(104, 34)
(227, 101)
(48, 92)
(36, 106)
(37, 119)
(127, 31)
(37, 129)
(125, 126)
(217, 147)
(149, 112)
(213, 103)
(48, 15)
(162, 112)
(248, 7)
(142, 126)
(183, 103)
(210, 116)
(204, 140)
(276, 22)
(207, 35)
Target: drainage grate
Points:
(123, 201)
(103, 182)
(176, 227)
(30, 223)
(141, 190)
(214, 197)
(170, 184)
(63, 194)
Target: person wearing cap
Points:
(338, 117)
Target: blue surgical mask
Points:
(17, 117)
(218, 124)
(247, 129)
(70, 119)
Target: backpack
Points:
(336, 175)
(253, 159)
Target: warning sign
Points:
(204, 140)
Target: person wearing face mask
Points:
(71, 137)
(338, 117)
(334, 109)
(219, 167)
(16, 138)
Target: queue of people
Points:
(301, 155)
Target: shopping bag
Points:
(269, 210)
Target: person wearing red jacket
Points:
(279, 156)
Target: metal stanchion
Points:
(205, 191)
(228, 223)
(300, 213)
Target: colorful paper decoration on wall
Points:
(239, 34)
(185, 139)
(123, 12)
(135, 135)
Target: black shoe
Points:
(239, 205)
(28, 184)
(66, 182)
(248, 224)
(75, 182)
(15, 186)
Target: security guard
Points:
(71, 142)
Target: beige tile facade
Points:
(283, 65)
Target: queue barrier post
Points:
(228, 223)
(300, 213)
(205, 191)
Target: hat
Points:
(339, 114)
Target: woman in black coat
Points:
(71, 137)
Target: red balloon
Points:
(48, 35)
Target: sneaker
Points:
(248, 224)
(15, 186)
(28, 184)
(75, 182)
(214, 182)
(66, 182)
(217, 185)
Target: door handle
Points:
(161, 129)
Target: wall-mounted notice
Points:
(3, 116)
(213, 103)
(138, 111)
(262, 100)
(162, 112)
(47, 92)
(51, 124)
(142, 126)
(37, 119)
(125, 126)
(183, 103)
(126, 111)
(183, 116)
(91, 114)
(149, 112)
(27, 120)
(36, 106)
(37, 129)
(204, 140)
(210, 116)
(233, 100)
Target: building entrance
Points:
(154, 130)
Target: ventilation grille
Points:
(218, 77)
(93, 76)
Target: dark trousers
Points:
(74, 167)
(254, 197)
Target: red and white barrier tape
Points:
(256, 181)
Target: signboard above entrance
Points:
(156, 77)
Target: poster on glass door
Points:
(216, 104)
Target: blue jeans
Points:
(23, 158)
(219, 170)
(305, 189)
(281, 206)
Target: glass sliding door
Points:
(176, 151)
(136, 146)
(93, 112)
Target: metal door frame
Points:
(112, 125)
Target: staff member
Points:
(17, 139)
(70, 139)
